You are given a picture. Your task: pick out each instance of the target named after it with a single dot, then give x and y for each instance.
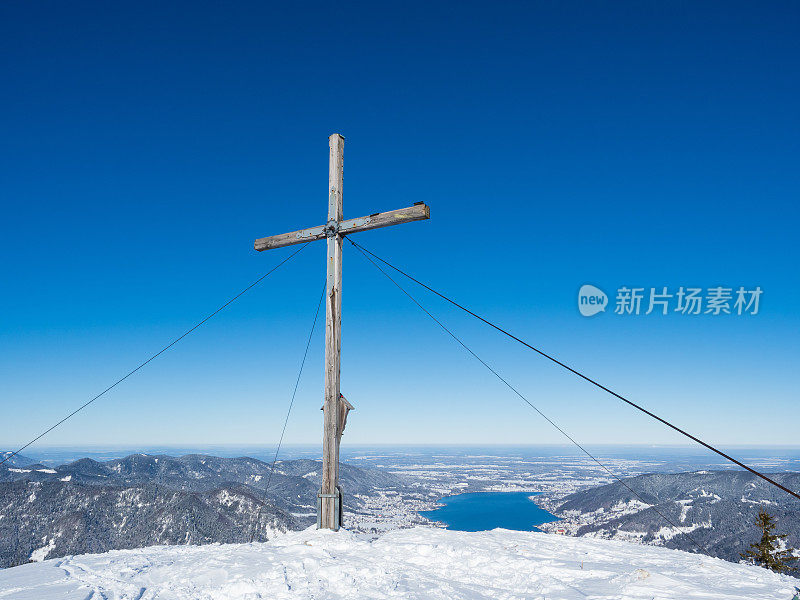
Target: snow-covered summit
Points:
(421, 563)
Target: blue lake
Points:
(482, 511)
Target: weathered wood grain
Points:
(416, 212)
(288, 239)
(333, 339)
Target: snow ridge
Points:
(420, 563)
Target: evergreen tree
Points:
(767, 552)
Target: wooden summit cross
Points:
(335, 410)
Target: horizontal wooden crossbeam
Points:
(417, 212)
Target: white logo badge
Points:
(591, 300)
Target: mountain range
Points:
(712, 512)
(9, 459)
(142, 500)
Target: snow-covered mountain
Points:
(15, 460)
(420, 563)
(143, 500)
(716, 508)
(199, 472)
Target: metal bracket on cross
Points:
(338, 508)
(331, 228)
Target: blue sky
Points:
(145, 145)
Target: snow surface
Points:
(421, 563)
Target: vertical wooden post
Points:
(328, 518)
